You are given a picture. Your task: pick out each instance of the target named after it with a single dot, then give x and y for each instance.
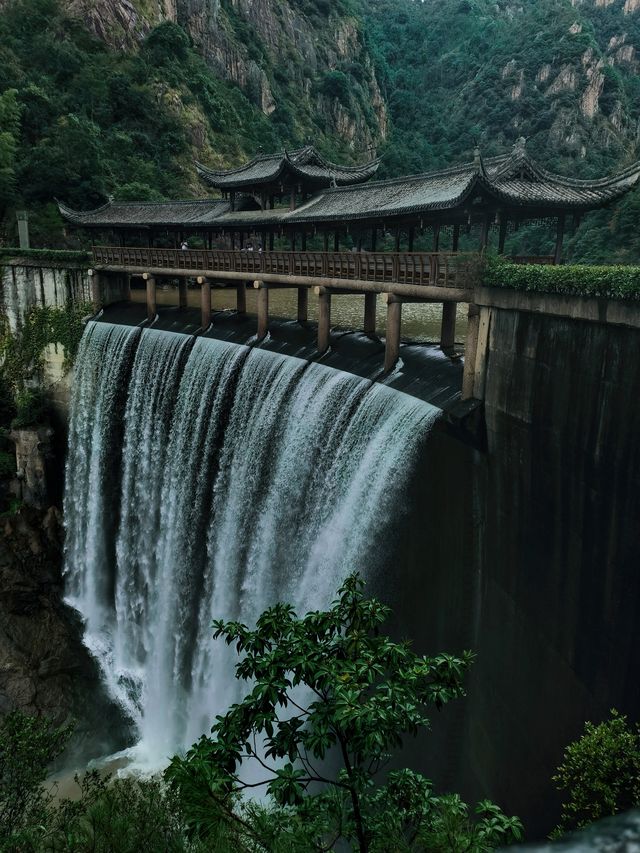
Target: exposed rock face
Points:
(44, 667)
(33, 457)
(258, 44)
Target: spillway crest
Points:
(205, 480)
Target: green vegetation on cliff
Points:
(564, 75)
(81, 121)
(121, 101)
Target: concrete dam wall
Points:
(558, 561)
(526, 551)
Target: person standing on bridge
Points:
(184, 246)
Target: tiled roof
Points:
(305, 164)
(512, 181)
(145, 214)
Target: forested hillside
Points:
(562, 73)
(119, 97)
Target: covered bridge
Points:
(322, 198)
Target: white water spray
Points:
(209, 480)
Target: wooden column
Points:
(303, 241)
(503, 235)
(470, 349)
(370, 313)
(484, 234)
(182, 293)
(374, 238)
(394, 328)
(324, 318)
(436, 238)
(336, 241)
(455, 240)
(397, 242)
(448, 327)
(325, 241)
(410, 240)
(271, 241)
(205, 302)
(293, 241)
(241, 298)
(303, 304)
(557, 255)
(151, 297)
(263, 309)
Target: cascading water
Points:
(209, 480)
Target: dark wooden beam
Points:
(557, 255)
(503, 235)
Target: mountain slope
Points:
(120, 97)
(562, 73)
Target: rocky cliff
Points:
(281, 53)
(44, 667)
(563, 73)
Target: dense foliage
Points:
(459, 72)
(600, 773)
(28, 745)
(612, 282)
(331, 696)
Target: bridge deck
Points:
(446, 270)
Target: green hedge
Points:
(58, 255)
(612, 282)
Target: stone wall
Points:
(25, 285)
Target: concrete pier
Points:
(96, 290)
(151, 297)
(470, 349)
(182, 293)
(263, 309)
(241, 298)
(394, 326)
(205, 303)
(324, 318)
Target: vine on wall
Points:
(22, 351)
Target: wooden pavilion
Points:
(322, 198)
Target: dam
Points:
(219, 460)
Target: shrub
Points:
(28, 745)
(600, 772)
(329, 686)
(611, 282)
(335, 84)
(31, 409)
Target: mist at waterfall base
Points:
(207, 479)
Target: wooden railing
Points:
(441, 269)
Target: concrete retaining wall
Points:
(558, 609)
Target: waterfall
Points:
(207, 479)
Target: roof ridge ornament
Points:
(478, 162)
(520, 146)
